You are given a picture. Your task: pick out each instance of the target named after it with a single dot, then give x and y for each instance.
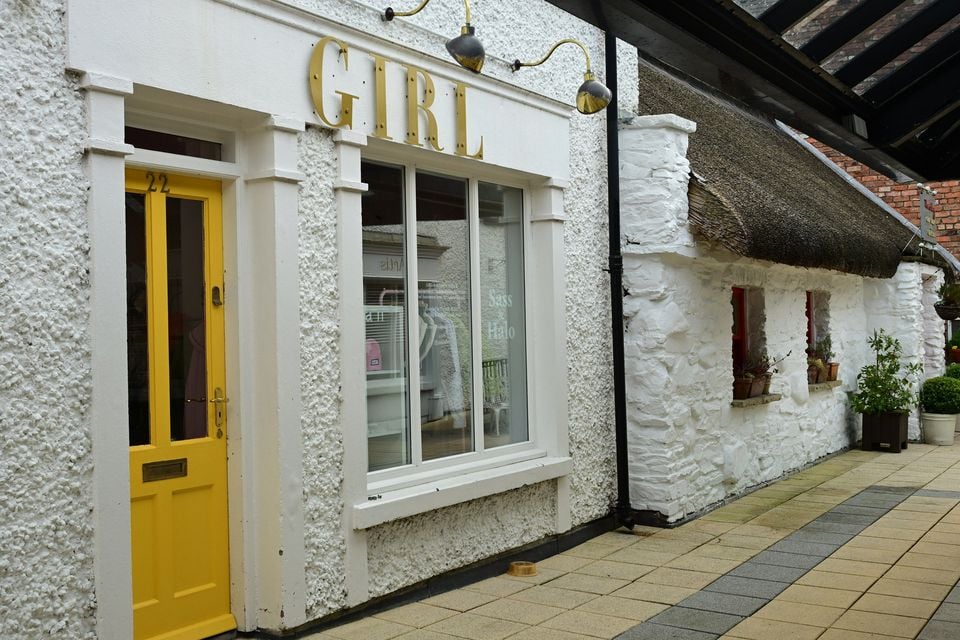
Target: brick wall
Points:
(905, 198)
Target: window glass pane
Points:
(446, 372)
(138, 389)
(502, 312)
(384, 289)
(187, 326)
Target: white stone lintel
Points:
(92, 81)
(280, 175)
(350, 137)
(350, 186)
(108, 147)
(660, 121)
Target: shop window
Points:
(749, 343)
(444, 311)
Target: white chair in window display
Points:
(496, 399)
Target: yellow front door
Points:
(177, 398)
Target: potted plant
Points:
(816, 370)
(742, 384)
(953, 370)
(940, 405)
(953, 349)
(764, 367)
(885, 394)
(948, 306)
(824, 351)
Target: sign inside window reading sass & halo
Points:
(384, 96)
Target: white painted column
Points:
(546, 300)
(934, 340)
(271, 357)
(104, 165)
(349, 189)
(654, 176)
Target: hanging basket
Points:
(947, 311)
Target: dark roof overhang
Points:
(894, 105)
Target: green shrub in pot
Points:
(940, 403)
(941, 395)
(953, 370)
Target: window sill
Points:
(824, 386)
(409, 501)
(766, 398)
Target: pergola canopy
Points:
(876, 79)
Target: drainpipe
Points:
(623, 511)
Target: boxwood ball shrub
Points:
(953, 370)
(941, 395)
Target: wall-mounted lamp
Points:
(592, 96)
(466, 48)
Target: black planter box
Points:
(884, 432)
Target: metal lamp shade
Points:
(467, 49)
(592, 96)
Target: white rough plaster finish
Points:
(688, 447)
(407, 551)
(404, 552)
(591, 420)
(897, 306)
(320, 362)
(934, 340)
(46, 566)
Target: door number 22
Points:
(155, 178)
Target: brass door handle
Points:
(219, 402)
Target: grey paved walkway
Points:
(863, 546)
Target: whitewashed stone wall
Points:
(46, 528)
(688, 447)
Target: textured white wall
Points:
(46, 567)
(688, 447)
(406, 551)
(320, 376)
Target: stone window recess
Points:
(444, 312)
(751, 375)
(821, 363)
(749, 341)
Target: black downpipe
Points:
(623, 511)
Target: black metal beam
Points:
(787, 13)
(897, 41)
(913, 111)
(716, 43)
(915, 70)
(846, 28)
(935, 136)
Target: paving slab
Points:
(940, 630)
(724, 603)
(648, 631)
(752, 587)
(696, 619)
(767, 572)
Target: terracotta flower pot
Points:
(833, 370)
(756, 389)
(741, 388)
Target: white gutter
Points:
(801, 139)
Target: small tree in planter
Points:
(940, 402)
(885, 394)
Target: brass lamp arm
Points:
(390, 14)
(517, 64)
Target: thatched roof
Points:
(759, 193)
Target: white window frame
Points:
(421, 471)
(545, 456)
